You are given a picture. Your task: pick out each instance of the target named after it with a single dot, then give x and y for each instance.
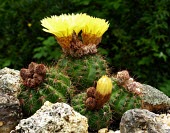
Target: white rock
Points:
(52, 118)
(9, 81)
(106, 130)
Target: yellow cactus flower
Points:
(66, 29)
(95, 26)
(57, 26)
(63, 25)
(104, 85)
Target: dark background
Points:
(138, 38)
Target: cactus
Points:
(126, 94)
(122, 100)
(97, 119)
(35, 90)
(129, 94)
(79, 35)
(83, 71)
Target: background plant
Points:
(138, 38)
(49, 51)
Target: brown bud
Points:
(30, 83)
(40, 69)
(122, 76)
(90, 92)
(90, 103)
(25, 73)
(32, 66)
(134, 87)
(34, 75)
(38, 77)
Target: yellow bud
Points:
(104, 85)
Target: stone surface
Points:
(10, 112)
(106, 130)
(144, 121)
(9, 81)
(52, 118)
(153, 99)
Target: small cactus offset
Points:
(40, 84)
(122, 100)
(83, 71)
(126, 94)
(129, 94)
(97, 119)
(93, 104)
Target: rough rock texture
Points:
(9, 81)
(52, 118)
(105, 130)
(143, 121)
(153, 99)
(10, 112)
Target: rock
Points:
(153, 99)
(144, 121)
(52, 118)
(10, 112)
(106, 130)
(9, 81)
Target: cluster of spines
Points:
(97, 119)
(122, 100)
(54, 88)
(83, 71)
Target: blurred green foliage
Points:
(165, 87)
(20, 27)
(49, 51)
(138, 38)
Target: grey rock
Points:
(10, 112)
(142, 121)
(9, 81)
(153, 99)
(52, 118)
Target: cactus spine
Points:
(122, 100)
(53, 88)
(83, 71)
(97, 119)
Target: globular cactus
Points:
(97, 119)
(94, 104)
(122, 100)
(83, 71)
(125, 94)
(79, 35)
(129, 94)
(40, 84)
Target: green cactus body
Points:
(121, 100)
(83, 71)
(96, 119)
(54, 88)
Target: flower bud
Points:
(104, 85)
(103, 91)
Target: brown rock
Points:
(10, 113)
